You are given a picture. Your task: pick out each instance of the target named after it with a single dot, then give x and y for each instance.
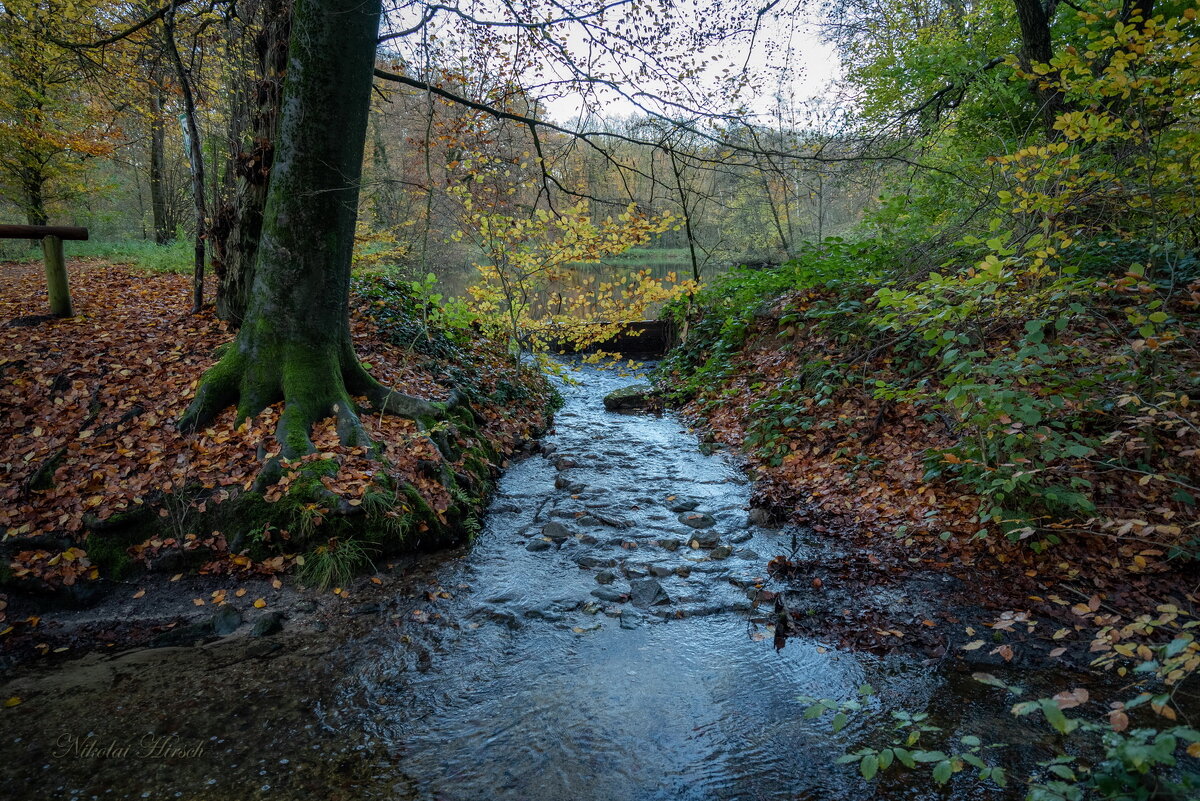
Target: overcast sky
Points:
(786, 37)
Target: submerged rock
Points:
(697, 520)
(537, 545)
(609, 594)
(226, 620)
(647, 592)
(268, 624)
(721, 552)
(630, 398)
(556, 531)
(591, 560)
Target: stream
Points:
(598, 641)
(617, 660)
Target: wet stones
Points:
(740, 537)
(629, 399)
(669, 545)
(609, 594)
(564, 483)
(647, 592)
(268, 624)
(226, 621)
(698, 520)
(705, 539)
(537, 545)
(761, 517)
(591, 560)
(556, 532)
(661, 571)
(684, 505)
(720, 552)
(606, 577)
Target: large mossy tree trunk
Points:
(294, 343)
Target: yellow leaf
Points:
(240, 592)
(1193, 750)
(139, 593)
(260, 603)
(974, 645)
(198, 601)
(12, 701)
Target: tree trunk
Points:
(163, 229)
(295, 341)
(239, 224)
(1037, 47)
(35, 199)
(195, 154)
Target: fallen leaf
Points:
(260, 603)
(1069, 699)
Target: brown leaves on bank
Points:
(88, 404)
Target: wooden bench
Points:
(52, 237)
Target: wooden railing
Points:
(52, 237)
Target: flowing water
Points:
(537, 681)
(599, 641)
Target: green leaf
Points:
(839, 721)
(998, 777)
(869, 766)
(942, 771)
(885, 758)
(1056, 718)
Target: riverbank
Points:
(102, 496)
(931, 535)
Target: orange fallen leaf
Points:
(139, 593)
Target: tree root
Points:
(314, 384)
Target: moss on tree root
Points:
(391, 519)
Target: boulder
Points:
(631, 398)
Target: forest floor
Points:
(859, 480)
(87, 437)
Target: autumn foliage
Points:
(90, 442)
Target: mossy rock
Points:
(635, 397)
